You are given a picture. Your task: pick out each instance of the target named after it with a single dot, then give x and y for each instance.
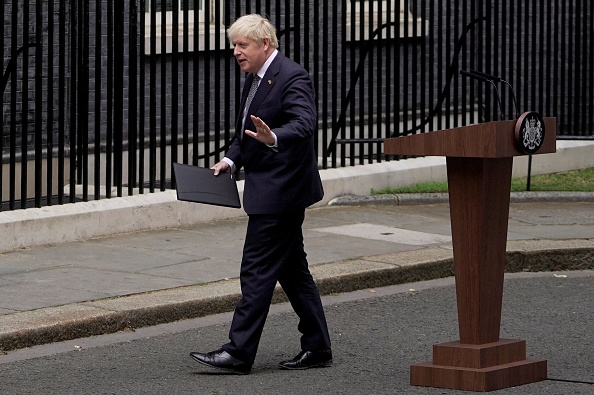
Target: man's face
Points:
(250, 56)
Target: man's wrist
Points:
(230, 163)
(274, 144)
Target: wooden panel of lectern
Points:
(479, 160)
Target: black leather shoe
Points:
(308, 359)
(221, 359)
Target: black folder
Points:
(200, 185)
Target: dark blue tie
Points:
(250, 97)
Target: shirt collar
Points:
(266, 64)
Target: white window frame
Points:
(191, 36)
(414, 27)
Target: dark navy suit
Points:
(279, 184)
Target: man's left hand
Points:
(262, 133)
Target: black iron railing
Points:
(100, 97)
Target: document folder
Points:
(200, 185)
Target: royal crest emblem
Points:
(530, 132)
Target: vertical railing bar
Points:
(25, 108)
(424, 105)
(229, 126)
(440, 66)
(467, 101)
(553, 65)
(590, 83)
(196, 92)
(360, 104)
(481, 48)
(387, 121)
(526, 67)
(163, 98)
(571, 72)
(495, 59)
(510, 62)
(544, 71)
(133, 94)
(98, 95)
(307, 61)
(306, 33)
(326, 112)
(353, 125)
(381, 81)
(118, 93)
(62, 84)
(293, 32)
(109, 138)
(334, 82)
(217, 77)
(153, 99)
(536, 103)
(581, 75)
(174, 131)
(83, 114)
(343, 74)
(325, 81)
(456, 82)
(286, 43)
(474, 93)
(412, 28)
(185, 82)
(50, 105)
(39, 104)
(397, 74)
(518, 56)
(141, 100)
(174, 134)
(581, 63)
(563, 59)
(320, 146)
(486, 59)
(73, 99)
(268, 6)
(207, 88)
(373, 61)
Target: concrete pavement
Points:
(126, 281)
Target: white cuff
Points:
(275, 145)
(230, 163)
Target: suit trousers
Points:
(273, 251)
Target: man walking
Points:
(274, 143)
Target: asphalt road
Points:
(377, 334)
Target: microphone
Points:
(485, 75)
(499, 79)
(481, 78)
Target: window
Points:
(190, 9)
(408, 26)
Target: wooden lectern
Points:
(479, 161)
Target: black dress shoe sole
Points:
(228, 370)
(324, 364)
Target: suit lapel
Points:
(267, 83)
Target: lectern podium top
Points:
(484, 140)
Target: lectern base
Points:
(480, 368)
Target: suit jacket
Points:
(285, 179)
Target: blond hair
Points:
(255, 27)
